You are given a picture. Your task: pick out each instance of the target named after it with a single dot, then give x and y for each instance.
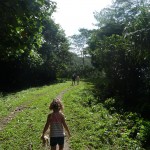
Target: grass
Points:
(10, 102)
(91, 124)
(93, 127)
(25, 129)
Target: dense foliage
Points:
(33, 47)
(98, 126)
(120, 52)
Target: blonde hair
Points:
(56, 105)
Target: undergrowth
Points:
(94, 127)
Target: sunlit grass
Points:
(92, 126)
(26, 128)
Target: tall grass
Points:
(94, 128)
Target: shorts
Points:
(56, 140)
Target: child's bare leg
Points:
(53, 147)
(61, 147)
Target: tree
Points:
(32, 46)
(120, 51)
(21, 28)
(54, 50)
(79, 41)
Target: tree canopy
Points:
(119, 49)
(33, 47)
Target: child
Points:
(56, 121)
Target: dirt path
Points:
(66, 146)
(13, 114)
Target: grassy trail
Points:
(91, 125)
(23, 116)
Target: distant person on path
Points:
(78, 80)
(56, 121)
(73, 79)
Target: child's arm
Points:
(65, 126)
(46, 126)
